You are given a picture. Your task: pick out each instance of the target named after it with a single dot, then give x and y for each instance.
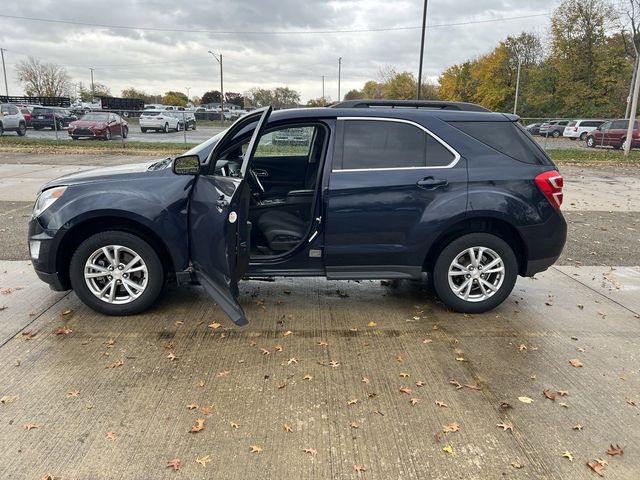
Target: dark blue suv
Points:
(445, 191)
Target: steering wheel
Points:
(255, 181)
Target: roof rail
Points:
(434, 104)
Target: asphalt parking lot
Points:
(330, 379)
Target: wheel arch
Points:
(484, 224)
(85, 229)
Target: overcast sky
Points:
(158, 60)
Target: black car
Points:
(449, 190)
(55, 118)
(534, 128)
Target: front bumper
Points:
(43, 247)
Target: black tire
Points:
(591, 142)
(1, 128)
(107, 134)
(583, 136)
(166, 128)
(22, 129)
(37, 128)
(573, 139)
(555, 134)
(155, 280)
(617, 147)
(452, 251)
(193, 127)
(74, 137)
(144, 130)
(125, 132)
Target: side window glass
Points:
(437, 154)
(371, 144)
(286, 142)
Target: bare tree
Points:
(43, 79)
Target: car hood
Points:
(88, 123)
(117, 173)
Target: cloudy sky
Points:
(265, 43)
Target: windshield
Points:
(204, 149)
(95, 117)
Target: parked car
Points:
(447, 189)
(613, 134)
(534, 128)
(12, 120)
(158, 120)
(99, 125)
(554, 128)
(580, 128)
(183, 117)
(55, 118)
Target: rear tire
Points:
(107, 134)
(484, 291)
(555, 134)
(144, 130)
(86, 288)
(583, 136)
(125, 132)
(591, 142)
(22, 129)
(166, 128)
(1, 128)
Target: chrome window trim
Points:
(456, 155)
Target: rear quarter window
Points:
(507, 138)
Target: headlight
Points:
(46, 199)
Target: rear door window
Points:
(378, 144)
(507, 138)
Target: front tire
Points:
(22, 129)
(166, 128)
(107, 134)
(591, 142)
(475, 273)
(116, 273)
(555, 134)
(125, 132)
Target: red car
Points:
(98, 125)
(613, 134)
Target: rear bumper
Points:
(543, 244)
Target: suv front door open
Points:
(219, 228)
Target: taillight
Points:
(551, 183)
(575, 129)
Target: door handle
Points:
(260, 172)
(431, 183)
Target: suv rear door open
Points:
(219, 228)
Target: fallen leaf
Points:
(169, 345)
(224, 373)
(30, 426)
(110, 343)
(192, 406)
(174, 464)
(252, 343)
(287, 333)
(68, 311)
(111, 435)
(460, 359)
(265, 351)
(563, 393)
(278, 348)
(334, 364)
(522, 347)
(172, 356)
(203, 460)
(366, 381)
(3, 307)
(372, 324)
(506, 426)
(451, 428)
(29, 334)
(456, 383)
(200, 383)
(354, 424)
(598, 466)
(73, 393)
(448, 449)
(516, 465)
(359, 468)
(473, 386)
(631, 402)
(179, 322)
(414, 401)
(441, 404)
(420, 383)
(9, 399)
(505, 405)
(564, 404)
(310, 451)
(63, 331)
(208, 410)
(353, 401)
(308, 377)
(214, 325)
(282, 385)
(577, 427)
(292, 361)
(525, 399)
(568, 455)
(116, 364)
(48, 476)
(199, 426)
(575, 363)
(615, 450)
(323, 343)
(288, 428)
(427, 341)
(235, 425)
(406, 390)
(549, 394)
(256, 449)
(404, 375)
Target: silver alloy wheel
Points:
(116, 274)
(476, 274)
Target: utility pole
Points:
(633, 79)
(323, 102)
(633, 112)
(339, 74)
(93, 89)
(424, 28)
(219, 60)
(515, 104)
(4, 70)
(187, 88)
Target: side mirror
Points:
(187, 165)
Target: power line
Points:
(256, 32)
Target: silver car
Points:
(12, 120)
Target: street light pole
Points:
(339, 74)
(515, 104)
(323, 102)
(93, 90)
(219, 60)
(188, 89)
(424, 28)
(4, 70)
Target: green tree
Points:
(212, 96)
(234, 98)
(134, 93)
(354, 94)
(317, 102)
(175, 98)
